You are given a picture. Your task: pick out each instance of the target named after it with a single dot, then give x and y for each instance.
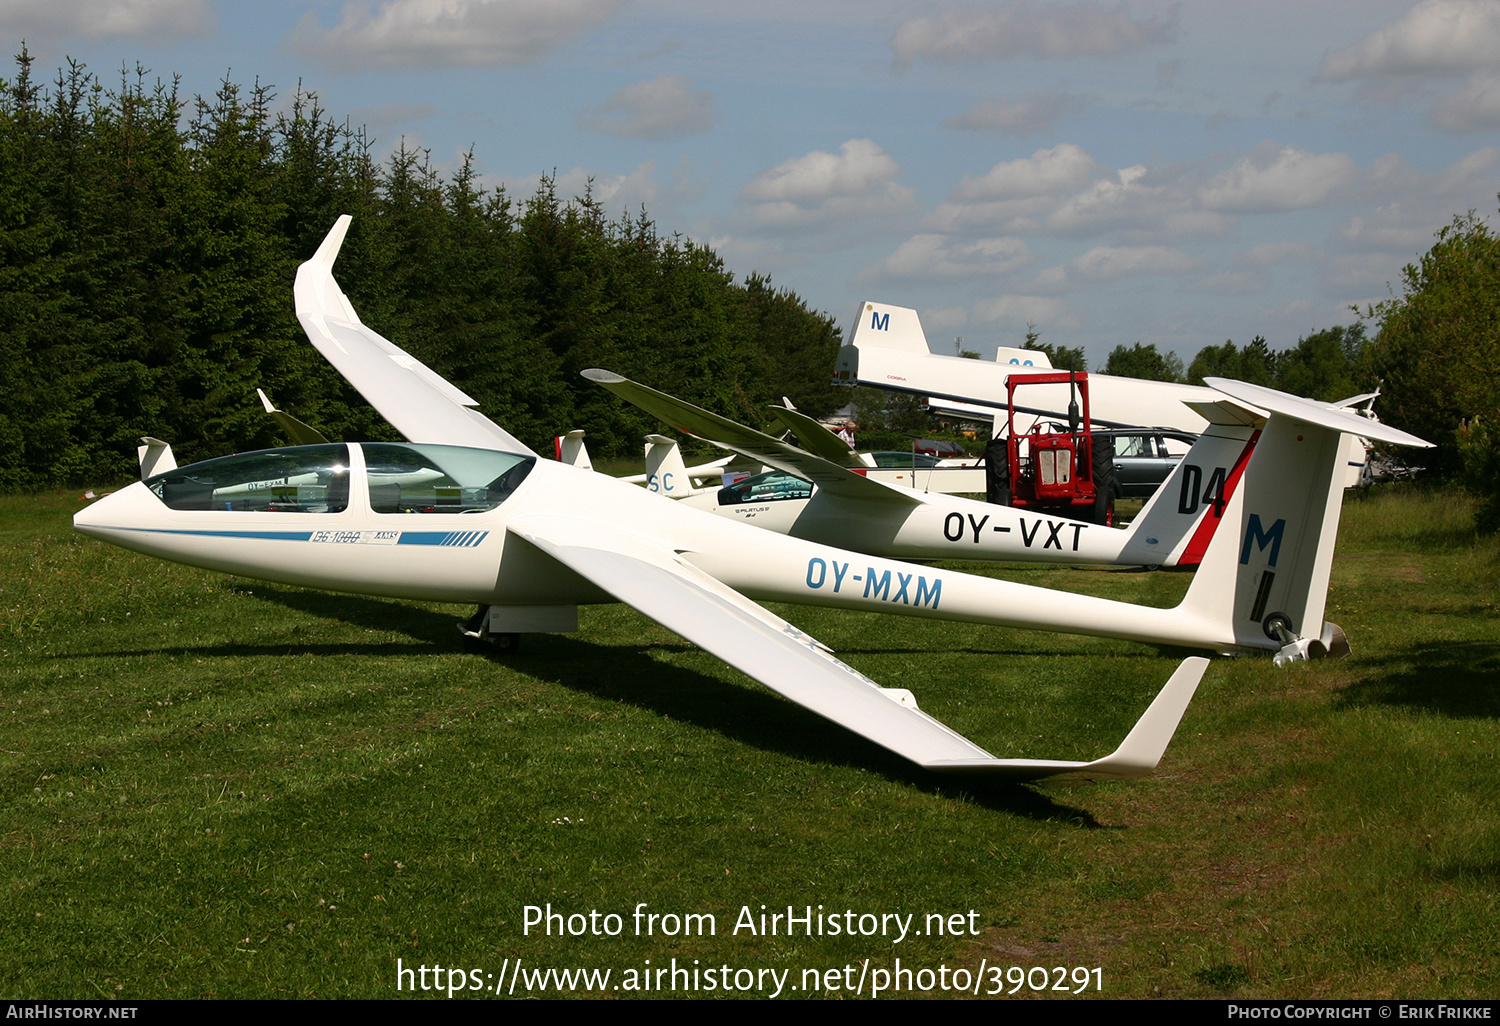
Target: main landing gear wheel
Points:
(479, 640)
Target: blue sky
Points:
(1176, 173)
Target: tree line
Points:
(148, 245)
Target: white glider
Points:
(888, 349)
(532, 539)
(851, 507)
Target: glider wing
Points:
(416, 400)
(720, 620)
(747, 441)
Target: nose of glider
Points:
(127, 510)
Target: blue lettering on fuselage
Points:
(879, 586)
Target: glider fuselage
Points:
(481, 556)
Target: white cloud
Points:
(1046, 172)
(1405, 205)
(661, 108)
(818, 187)
(1268, 253)
(1115, 200)
(1137, 200)
(1392, 226)
(945, 317)
(1359, 274)
(1019, 310)
(937, 256)
(1108, 262)
(1473, 107)
(1063, 191)
(1442, 37)
(1018, 116)
(171, 18)
(1051, 279)
(1278, 179)
(1231, 283)
(448, 33)
(1015, 30)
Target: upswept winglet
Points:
(297, 431)
(416, 400)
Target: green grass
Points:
(217, 787)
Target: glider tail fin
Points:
(571, 450)
(666, 474)
(1265, 573)
(155, 456)
(1180, 519)
(888, 327)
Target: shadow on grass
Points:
(1458, 679)
(1470, 872)
(755, 717)
(373, 614)
(748, 715)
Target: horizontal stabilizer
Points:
(1310, 411)
(155, 457)
(1227, 412)
(572, 451)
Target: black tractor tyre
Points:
(1104, 482)
(997, 472)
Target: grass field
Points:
(221, 788)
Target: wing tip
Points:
(1138, 755)
(602, 377)
(328, 251)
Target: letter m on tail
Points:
(880, 321)
(1257, 535)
